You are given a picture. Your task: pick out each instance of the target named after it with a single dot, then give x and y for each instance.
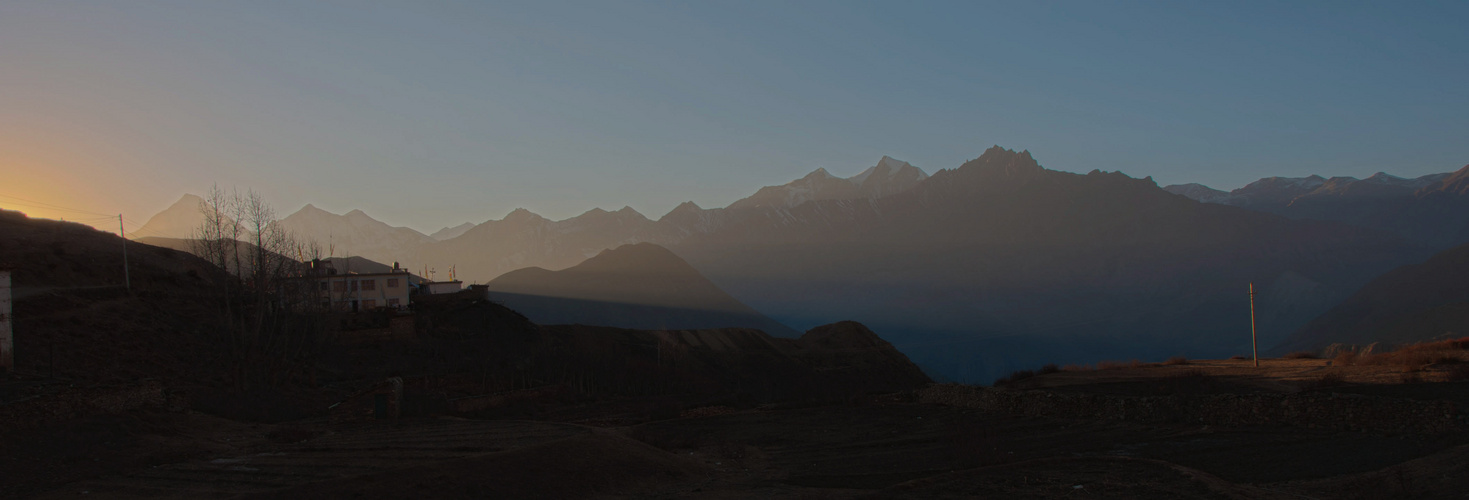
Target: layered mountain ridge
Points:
(1432, 210)
(997, 264)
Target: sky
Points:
(430, 114)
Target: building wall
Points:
(368, 290)
(7, 340)
(439, 287)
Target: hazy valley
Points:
(999, 257)
(728, 250)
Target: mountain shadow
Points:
(641, 286)
(1413, 303)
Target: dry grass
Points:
(1238, 358)
(1301, 355)
(1413, 357)
(1118, 365)
(1176, 360)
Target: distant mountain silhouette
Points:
(642, 286)
(354, 233)
(179, 220)
(451, 232)
(523, 239)
(1413, 303)
(1002, 264)
(888, 177)
(1432, 210)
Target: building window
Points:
(392, 282)
(392, 302)
(354, 285)
(339, 286)
(369, 304)
(369, 284)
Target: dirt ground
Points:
(883, 447)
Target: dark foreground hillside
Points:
(1043, 439)
(466, 398)
(110, 377)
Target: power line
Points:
(53, 206)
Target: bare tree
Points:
(271, 334)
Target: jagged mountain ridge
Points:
(888, 177)
(354, 234)
(971, 257)
(1003, 256)
(1432, 209)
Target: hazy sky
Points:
(431, 114)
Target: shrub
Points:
(1301, 355)
(1050, 368)
(1345, 358)
(1176, 360)
(1239, 357)
(1076, 368)
(1110, 365)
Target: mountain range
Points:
(1432, 210)
(997, 264)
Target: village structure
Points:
(357, 292)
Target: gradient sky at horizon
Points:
(431, 114)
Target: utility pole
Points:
(1253, 345)
(126, 276)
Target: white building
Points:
(355, 292)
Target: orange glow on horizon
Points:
(44, 190)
